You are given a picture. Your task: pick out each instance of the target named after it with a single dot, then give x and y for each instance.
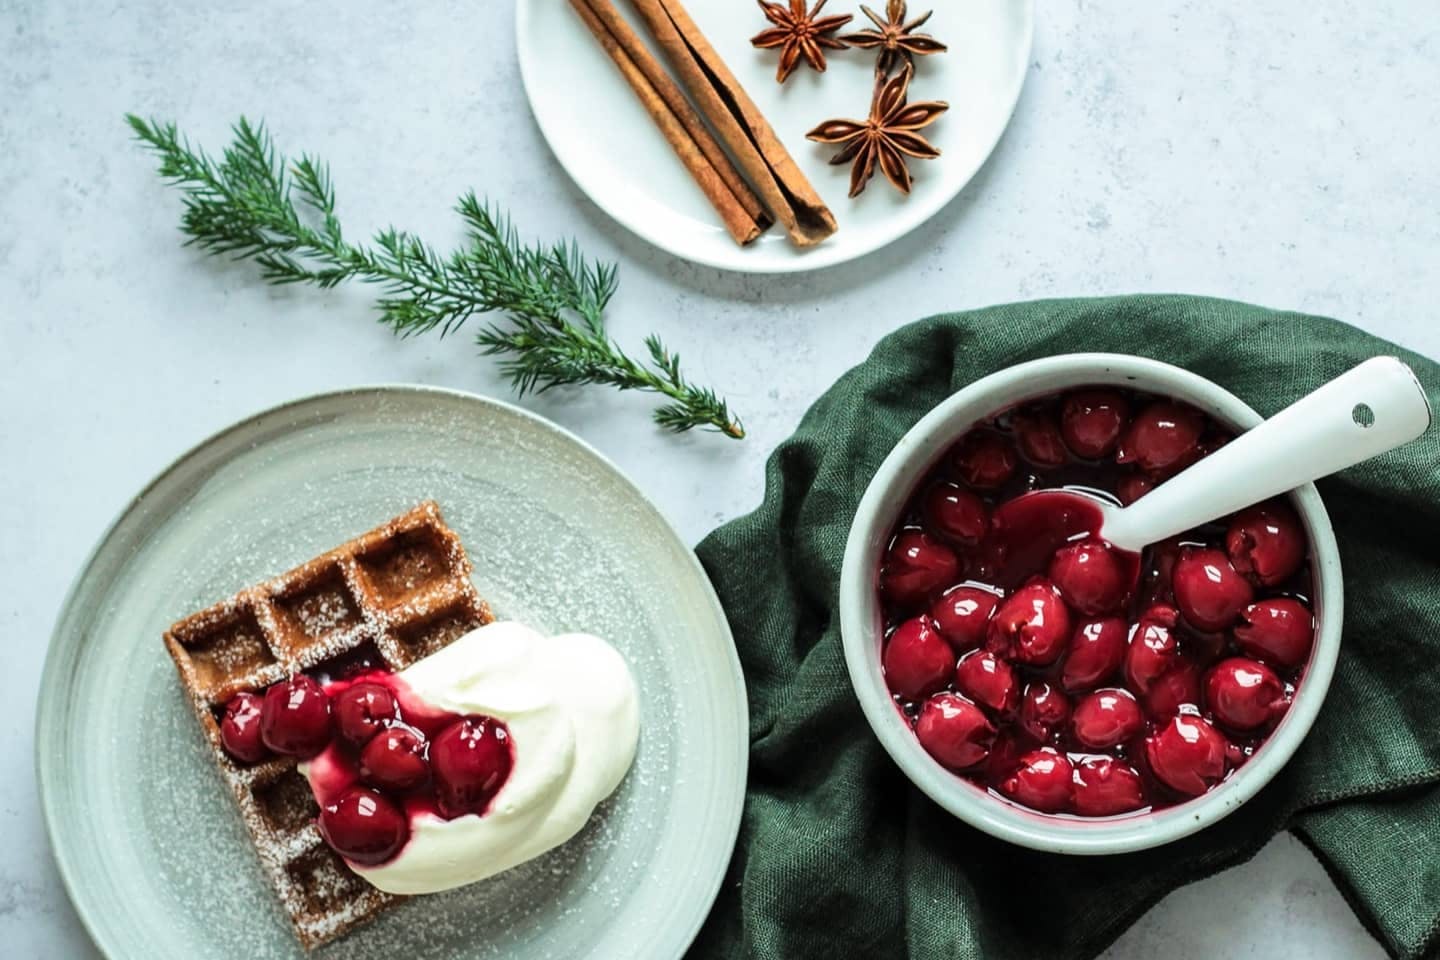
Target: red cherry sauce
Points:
(388, 757)
(338, 767)
(1178, 658)
(1025, 533)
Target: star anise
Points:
(799, 34)
(887, 137)
(897, 40)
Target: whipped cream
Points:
(571, 706)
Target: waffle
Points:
(384, 599)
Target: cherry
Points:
(917, 660)
(984, 460)
(1090, 577)
(1280, 630)
(1043, 710)
(295, 719)
(1265, 543)
(1096, 650)
(916, 566)
(1091, 422)
(1188, 755)
(240, 729)
(1032, 625)
(954, 731)
(961, 615)
(395, 760)
(470, 760)
(364, 826)
(1208, 590)
(956, 514)
(1041, 782)
(1244, 694)
(1173, 689)
(1153, 649)
(1106, 719)
(1038, 436)
(361, 711)
(988, 680)
(1163, 438)
(1104, 787)
(1132, 487)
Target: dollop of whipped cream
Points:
(571, 706)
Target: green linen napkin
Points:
(840, 856)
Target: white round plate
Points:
(146, 836)
(612, 149)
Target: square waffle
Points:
(385, 599)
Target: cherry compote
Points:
(379, 755)
(1045, 666)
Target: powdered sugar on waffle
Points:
(535, 563)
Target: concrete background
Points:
(1282, 153)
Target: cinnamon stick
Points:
(743, 214)
(666, 87)
(727, 106)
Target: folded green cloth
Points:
(839, 856)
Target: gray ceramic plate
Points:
(149, 844)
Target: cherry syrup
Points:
(379, 756)
(1043, 665)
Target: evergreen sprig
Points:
(253, 204)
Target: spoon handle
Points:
(1370, 410)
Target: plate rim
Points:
(46, 718)
(815, 258)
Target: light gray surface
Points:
(1281, 153)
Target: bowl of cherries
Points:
(1044, 684)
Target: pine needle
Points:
(253, 204)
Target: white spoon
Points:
(1370, 410)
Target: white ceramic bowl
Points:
(860, 617)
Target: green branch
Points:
(253, 204)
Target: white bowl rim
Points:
(859, 612)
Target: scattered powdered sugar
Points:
(554, 542)
(323, 612)
(321, 896)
